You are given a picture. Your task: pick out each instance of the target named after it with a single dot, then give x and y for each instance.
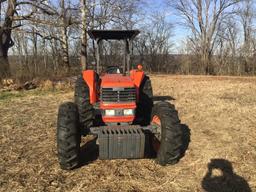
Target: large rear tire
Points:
(85, 109)
(68, 136)
(168, 142)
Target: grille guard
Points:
(118, 94)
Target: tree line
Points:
(49, 37)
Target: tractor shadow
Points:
(89, 152)
(163, 98)
(221, 177)
(185, 139)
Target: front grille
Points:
(127, 94)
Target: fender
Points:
(137, 76)
(89, 77)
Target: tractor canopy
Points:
(125, 35)
(113, 34)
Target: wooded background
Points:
(48, 38)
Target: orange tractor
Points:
(117, 106)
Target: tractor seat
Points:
(113, 70)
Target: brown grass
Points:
(220, 112)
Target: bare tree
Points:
(203, 18)
(227, 44)
(84, 34)
(246, 14)
(14, 13)
(154, 43)
(51, 35)
(64, 36)
(5, 38)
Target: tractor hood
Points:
(116, 80)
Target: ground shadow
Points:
(221, 178)
(89, 152)
(185, 139)
(163, 98)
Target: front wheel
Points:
(167, 142)
(68, 136)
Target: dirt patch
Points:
(219, 111)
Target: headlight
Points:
(128, 111)
(109, 112)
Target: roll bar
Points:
(126, 35)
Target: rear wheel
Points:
(85, 109)
(167, 142)
(68, 136)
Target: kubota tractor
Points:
(117, 106)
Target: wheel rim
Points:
(156, 139)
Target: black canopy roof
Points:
(113, 34)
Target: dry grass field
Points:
(219, 111)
